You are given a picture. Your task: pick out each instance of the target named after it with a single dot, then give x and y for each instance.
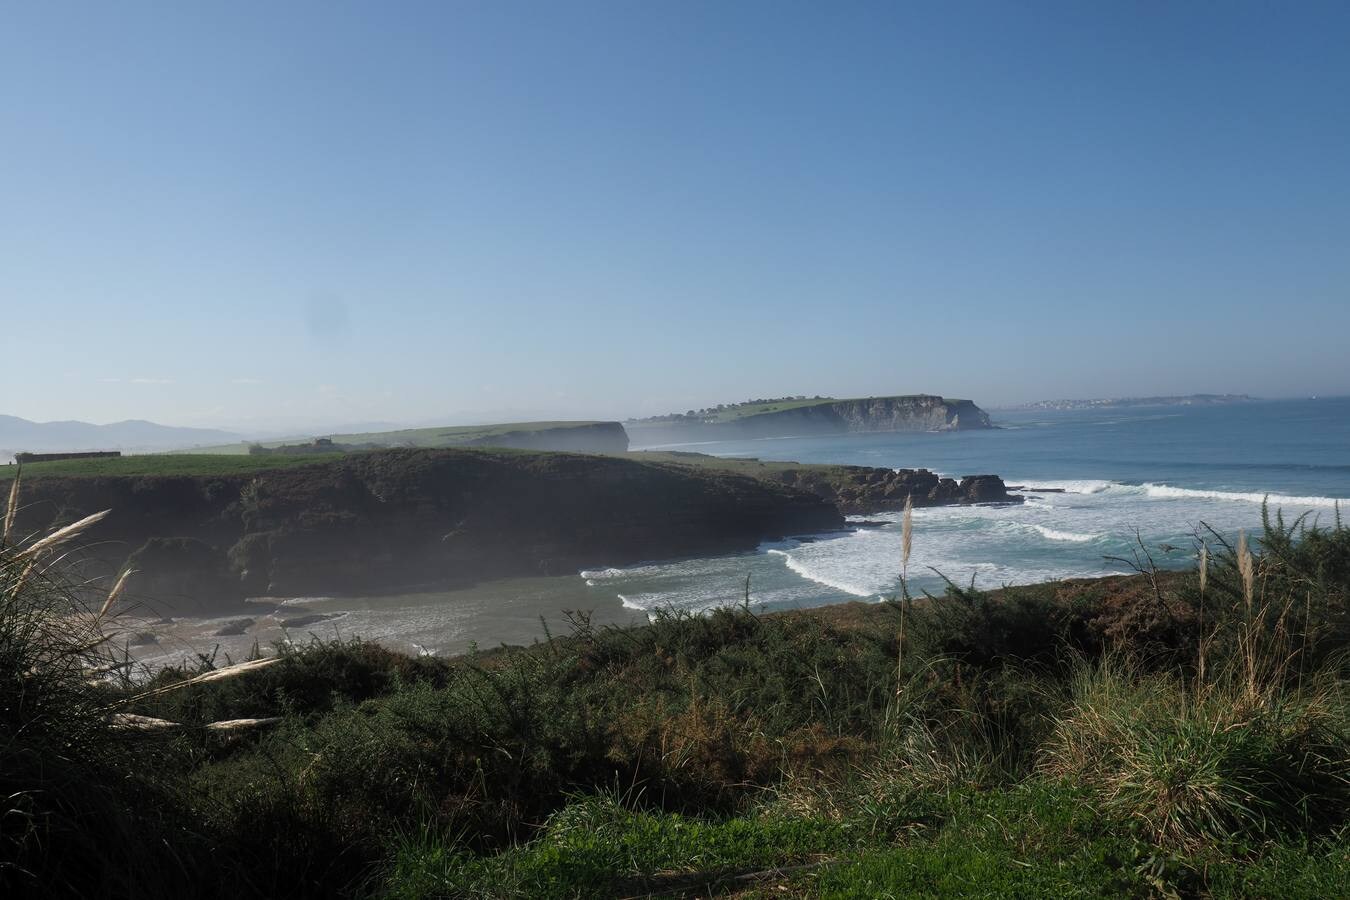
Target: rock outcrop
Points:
(861, 490)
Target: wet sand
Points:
(439, 623)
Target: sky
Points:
(265, 215)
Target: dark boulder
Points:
(984, 489)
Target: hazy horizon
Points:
(268, 218)
(301, 427)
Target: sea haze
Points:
(1158, 472)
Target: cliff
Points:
(388, 519)
(918, 412)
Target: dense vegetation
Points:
(1166, 735)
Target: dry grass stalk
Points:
(1204, 567)
(1204, 580)
(115, 592)
(22, 579)
(241, 724)
(60, 536)
(1246, 569)
(215, 675)
(907, 533)
(13, 508)
(906, 545)
(133, 722)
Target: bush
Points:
(1195, 767)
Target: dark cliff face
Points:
(920, 412)
(377, 521)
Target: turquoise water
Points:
(1150, 474)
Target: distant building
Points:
(22, 458)
(318, 445)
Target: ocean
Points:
(1129, 480)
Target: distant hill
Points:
(1112, 403)
(17, 435)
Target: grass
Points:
(1053, 740)
(439, 436)
(744, 410)
(164, 464)
(195, 463)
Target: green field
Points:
(742, 410)
(167, 464)
(201, 462)
(438, 436)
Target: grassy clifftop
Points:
(588, 435)
(190, 465)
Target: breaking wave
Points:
(810, 574)
(1054, 534)
(1167, 492)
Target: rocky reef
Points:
(856, 490)
(860, 490)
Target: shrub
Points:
(1210, 765)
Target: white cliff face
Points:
(919, 413)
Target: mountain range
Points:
(134, 434)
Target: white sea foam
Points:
(594, 575)
(629, 604)
(1168, 492)
(1071, 536)
(810, 574)
(1081, 486)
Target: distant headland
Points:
(796, 416)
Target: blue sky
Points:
(273, 214)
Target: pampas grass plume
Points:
(60, 536)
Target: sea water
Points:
(1129, 486)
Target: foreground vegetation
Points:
(1166, 735)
